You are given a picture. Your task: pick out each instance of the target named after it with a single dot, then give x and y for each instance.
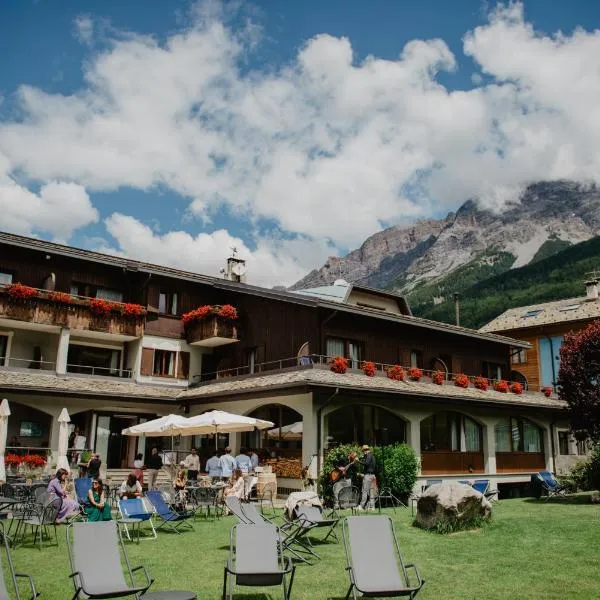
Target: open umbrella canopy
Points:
(218, 421)
(287, 432)
(163, 426)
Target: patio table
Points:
(169, 595)
(5, 504)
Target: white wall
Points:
(23, 343)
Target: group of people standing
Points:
(223, 465)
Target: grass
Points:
(530, 549)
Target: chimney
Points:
(591, 289)
(236, 268)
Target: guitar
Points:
(339, 472)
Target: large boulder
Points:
(451, 504)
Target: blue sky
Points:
(281, 135)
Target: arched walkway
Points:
(28, 427)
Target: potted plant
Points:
(339, 364)
(415, 373)
(501, 386)
(60, 297)
(396, 373)
(547, 391)
(481, 383)
(516, 388)
(12, 462)
(461, 380)
(21, 292)
(101, 308)
(368, 368)
(438, 377)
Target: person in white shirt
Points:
(228, 464)
(213, 465)
(253, 459)
(192, 464)
(243, 462)
(130, 488)
(236, 485)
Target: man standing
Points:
(93, 466)
(155, 464)
(228, 464)
(213, 465)
(192, 464)
(368, 486)
(253, 459)
(243, 461)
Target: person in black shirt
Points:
(93, 467)
(369, 481)
(155, 464)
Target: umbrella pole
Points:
(216, 437)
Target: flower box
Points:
(210, 333)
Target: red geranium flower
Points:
(438, 377)
(102, 308)
(396, 373)
(132, 310)
(23, 292)
(415, 373)
(339, 364)
(368, 368)
(12, 459)
(481, 383)
(516, 388)
(501, 386)
(226, 311)
(60, 297)
(461, 380)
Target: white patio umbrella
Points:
(218, 421)
(163, 426)
(63, 440)
(287, 432)
(4, 414)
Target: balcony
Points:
(52, 311)
(210, 333)
(447, 462)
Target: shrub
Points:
(438, 377)
(339, 364)
(585, 474)
(336, 457)
(368, 368)
(396, 373)
(516, 388)
(501, 386)
(415, 373)
(397, 467)
(481, 383)
(461, 380)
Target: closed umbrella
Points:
(4, 414)
(218, 421)
(63, 440)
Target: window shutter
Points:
(183, 366)
(147, 361)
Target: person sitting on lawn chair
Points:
(130, 488)
(98, 508)
(236, 487)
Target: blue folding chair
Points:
(135, 508)
(82, 487)
(483, 487)
(550, 485)
(169, 518)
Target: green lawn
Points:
(532, 549)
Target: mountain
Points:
(559, 276)
(431, 259)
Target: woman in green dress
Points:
(97, 509)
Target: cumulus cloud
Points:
(329, 148)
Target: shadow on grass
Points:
(568, 499)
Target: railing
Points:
(318, 359)
(103, 371)
(24, 450)
(27, 363)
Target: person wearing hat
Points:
(368, 486)
(228, 464)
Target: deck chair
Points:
(550, 485)
(374, 562)
(249, 487)
(483, 487)
(135, 508)
(169, 518)
(96, 562)
(256, 559)
(82, 487)
(348, 498)
(235, 506)
(311, 517)
(11, 576)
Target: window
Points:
(74, 290)
(532, 313)
(106, 294)
(583, 447)
(352, 350)
(563, 443)
(167, 303)
(5, 278)
(450, 431)
(416, 359)
(164, 363)
(370, 306)
(335, 347)
(3, 349)
(354, 354)
(492, 371)
(515, 434)
(518, 356)
(91, 360)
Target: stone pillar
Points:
(63, 349)
(548, 449)
(489, 447)
(309, 440)
(414, 438)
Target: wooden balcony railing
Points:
(446, 462)
(76, 314)
(517, 462)
(211, 332)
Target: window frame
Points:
(5, 360)
(171, 303)
(161, 374)
(10, 274)
(347, 342)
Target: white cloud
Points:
(57, 210)
(84, 29)
(273, 262)
(326, 147)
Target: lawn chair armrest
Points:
(149, 579)
(34, 593)
(417, 574)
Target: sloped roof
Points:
(333, 293)
(545, 313)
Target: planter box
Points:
(211, 332)
(75, 316)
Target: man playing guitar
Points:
(343, 472)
